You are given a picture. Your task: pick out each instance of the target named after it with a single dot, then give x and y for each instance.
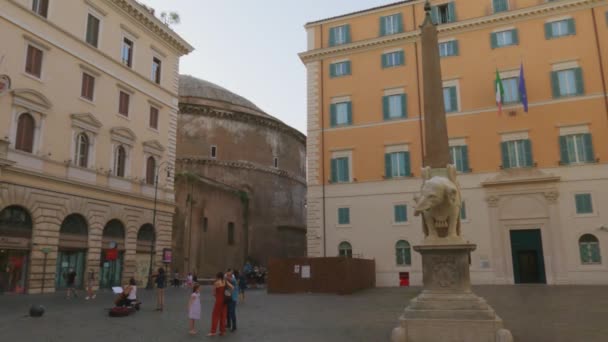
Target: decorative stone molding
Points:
(32, 100)
(87, 122)
(153, 147)
(551, 196)
(123, 134)
(242, 117)
(492, 201)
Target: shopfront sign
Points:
(167, 257)
(14, 243)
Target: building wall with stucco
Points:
(47, 182)
(499, 201)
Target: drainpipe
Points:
(323, 147)
(599, 56)
(419, 92)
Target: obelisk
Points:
(446, 310)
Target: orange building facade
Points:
(534, 183)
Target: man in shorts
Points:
(71, 282)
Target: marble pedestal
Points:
(447, 310)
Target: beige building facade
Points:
(88, 119)
(533, 183)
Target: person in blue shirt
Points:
(231, 277)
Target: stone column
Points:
(498, 257)
(128, 270)
(45, 236)
(94, 252)
(558, 259)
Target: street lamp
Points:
(149, 286)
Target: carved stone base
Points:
(447, 310)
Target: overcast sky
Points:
(250, 46)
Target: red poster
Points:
(111, 254)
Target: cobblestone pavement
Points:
(533, 313)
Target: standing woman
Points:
(219, 308)
(160, 286)
(90, 283)
(194, 307)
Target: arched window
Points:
(74, 225)
(114, 229)
(15, 222)
(589, 247)
(82, 150)
(25, 133)
(150, 170)
(345, 249)
(403, 253)
(120, 160)
(146, 233)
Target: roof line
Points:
(358, 12)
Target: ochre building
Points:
(240, 182)
(88, 117)
(534, 183)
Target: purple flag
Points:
(523, 93)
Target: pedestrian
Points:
(194, 307)
(232, 303)
(242, 279)
(218, 316)
(189, 280)
(194, 278)
(160, 288)
(90, 284)
(71, 282)
(176, 279)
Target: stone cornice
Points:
(240, 165)
(242, 117)
(153, 24)
(546, 9)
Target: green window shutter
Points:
(555, 85)
(348, 69)
(385, 107)
(589, 147)
(571, 26)
(404, 105)
(515, 37)
(401, 58)
(332, 36)
(404, 213)
(580, 84)
(334, 170)
(578, 203)
(463, 210)
(383, 26)
(332, 70)
(528, 152)
(455, 47)
(435, 15)
(333, 115)
(349, 109)
(584, 250)
(505, 155)
(346, 173)
(453, 99)
(595, 253)
(347, 30)
(399, 23)
(563, 150)
(493, 40)
(548, 31)
(451, 12)
(408, 256)
(408, 169)
(465, 158)
(384, 60)
(388, 167)
(397, 213)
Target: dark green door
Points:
(527, 252)
(66, 262)
(111, 272)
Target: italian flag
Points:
(500, 92)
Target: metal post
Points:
(149, 286)
(43, 272)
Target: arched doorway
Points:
(71, 256)
(111, 268)
(145, 249)
(15, 238)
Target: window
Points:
(500, 5)
(41, 7)
(450, 99)
(589, 247)
(276, 162)
(154, 117)
(449, 48)
(205, 224)
(583, 204)
(345, 249)
(151, 171)
(120, 161)
(339, 35)
(444, 13)
(339, 69)
(82, 150)
(394, 106)
(511, 88)
(393, 59)
(460, 158)
(504, 38)
(391, 24)
(556, 29)
(403, 252)
(567, 82)
(127, 52)
(397, 164)
(400, 212)
(230, 233)
(92, 30)
(156, 70)
(516, 153)
(340, 170)
(33, 61)
(123, 103)
(576, 148)
(25, 133)
(88, 86)
(463, 210)
(343, 216)
(341, 114)
(213, 151)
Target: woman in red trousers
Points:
(220, 307)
